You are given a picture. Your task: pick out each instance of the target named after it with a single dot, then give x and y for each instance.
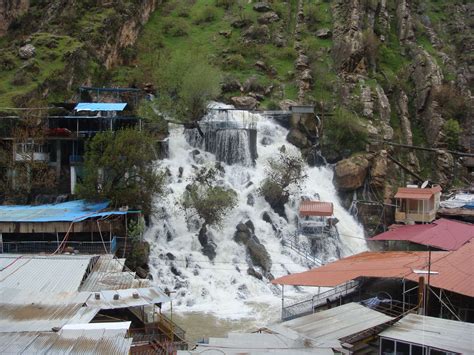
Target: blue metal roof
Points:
(100, 106)
(73, 211)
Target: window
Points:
(387, 347)
(403, 348)
(418, 350)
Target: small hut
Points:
(315, 218)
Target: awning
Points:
(413, 193)
(454, 269)
(100, 106)
(443, 234)
(316, 208)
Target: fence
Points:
(308, 306)
(33, 247)
(301, 248)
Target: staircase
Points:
(301, 248)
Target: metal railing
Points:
(301, 248)
(32, 247)
(308, 306)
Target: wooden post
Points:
(421, 295)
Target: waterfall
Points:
(222, 286)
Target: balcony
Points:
(415, 216)
(37, 156)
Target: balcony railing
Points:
(33, 247)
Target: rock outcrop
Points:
(9, 11)
(256, 251)
(350, 173)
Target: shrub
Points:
(234, 61)
(453, 104)
(312, 16)
(287, 53)
(452, 130)
(225, 4)
(175, 27)
(344, 132)
(205, 15)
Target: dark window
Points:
(418, 350)
(387, 347)
(403, 348)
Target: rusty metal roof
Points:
(443, 233)
(455, 269)
(316, 208)
(24, 311)
(415, 193)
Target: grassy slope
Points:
(232, 56)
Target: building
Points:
(315, 218)
(405, 278)
(414, 204)
(47, 297)
(69, 226)
(441, 234)
(416, 334)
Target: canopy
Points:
(100, 106)
(415, 193)
(316, 208)
(454, 270)
(444, 234)
(72, 211)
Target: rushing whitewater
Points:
(222, 286)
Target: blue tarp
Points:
(73, 211)
(100, 106)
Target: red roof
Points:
(455, 269)
(415, 193)
(316, 208)
(443, 233)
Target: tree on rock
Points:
(119, 167)
(284, 172)
(205, 198)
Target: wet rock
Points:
(243, 234)
(209, 250)
(27, 51)
(262, 7)
(244, 102)
(170, 256)
(266, 141)
(252, 272)
(180, 171)
(268, 17)
(258, 254)
(250, 200)
(324, 33)
(141, 272)
(350, 174)
(250, 225)
(297, 138)
(175, 271)
(266, 217)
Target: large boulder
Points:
(27, 51)
(297, 138)
(268, 17)
(257, 33)
(244, 102)
(259, 254)
(350, 173)
(378, 170)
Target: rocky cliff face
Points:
(9, 11)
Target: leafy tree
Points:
(119, 166)
(186, 84)
(284, 172)
(208, 200)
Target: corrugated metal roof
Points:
(414, 193)
(455, 269)
(108, 274)
(100, 106)
(257, 343)
(443, 233)
(23, 311)
(448, 335)
(53, 274)
(72, 211)
(316, 208)
(127, 298)
(82, 342)
(337, 323)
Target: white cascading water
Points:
(222, 286)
